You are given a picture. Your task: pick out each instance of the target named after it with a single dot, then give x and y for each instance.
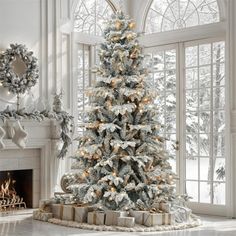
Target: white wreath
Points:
(9, 79)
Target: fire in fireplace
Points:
(15, 189)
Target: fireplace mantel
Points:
(43, 137)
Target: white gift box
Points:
(152, 219)
(96, 218)
(57, 211)
(68, 212)
(43, 216)
(126, 222)
(112, 217)
(138, 215)
(165, 207)
(169, 218)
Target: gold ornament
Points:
(129, 36)
(132, 25)
(118, 25)
(115, 38)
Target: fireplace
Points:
(16, 189)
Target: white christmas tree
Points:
(121, 160)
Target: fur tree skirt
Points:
(194, 222)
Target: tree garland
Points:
(65, 120)
(18, 84)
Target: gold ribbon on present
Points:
(94, 218)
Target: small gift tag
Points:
(126, 222)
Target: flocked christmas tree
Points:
(121, 159)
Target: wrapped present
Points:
(68, 212)
(138, 215)
(165, 207)
(152, 219)
(81, 213)
(43, 216)
(112, 217)
(182, 214)
(169, 218)
(57, 211)
(96, 218)
(126, 221)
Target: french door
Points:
(190, 80)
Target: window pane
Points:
(205, 172)
(205, 99)
(159, 81)
(171, 80)
(218, 121)
(204, 144)
(219, 98)
(219, 193)
(191, 122)
(218, 52)
(205, 122)
(191, 56)
(219, 169)
(205, 54)
(192, 190)
(191, 100)
(192, 169)
(219, 144)
(192, 78)
(205, 193)
(191, 145)
(205, 76)
(170, 58)
(158, 61)
(218, 75)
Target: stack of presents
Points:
(87, 214)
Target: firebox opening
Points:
(20, 184)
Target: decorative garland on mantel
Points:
(64, 118)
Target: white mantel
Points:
(40, 155)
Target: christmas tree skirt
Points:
(194, 222)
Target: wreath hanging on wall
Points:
(17, 82)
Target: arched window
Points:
(166, 15)
(90, 15)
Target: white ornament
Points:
(20, 136)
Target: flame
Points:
(7, 190)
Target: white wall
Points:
(19, 23)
